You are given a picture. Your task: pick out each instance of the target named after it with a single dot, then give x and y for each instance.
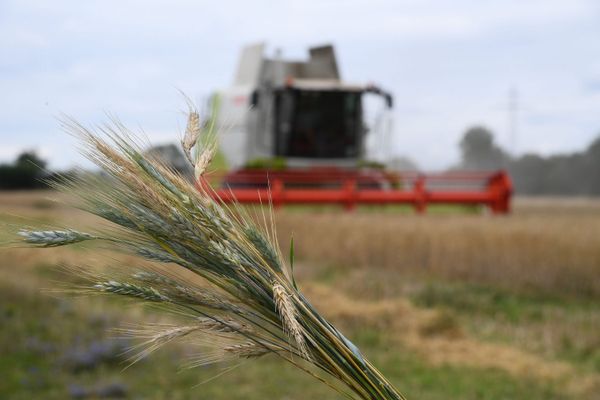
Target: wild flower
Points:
(243, 301)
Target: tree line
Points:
(575, 173)
(26, 172)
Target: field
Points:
(451, 305)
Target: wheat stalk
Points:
(243, 301)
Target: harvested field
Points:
(549, 245)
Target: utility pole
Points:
(513, 109)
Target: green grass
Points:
(507, 314)
(39, 330)
(500, 303)
(422, 381)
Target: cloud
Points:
(592, 85)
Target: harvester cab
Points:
(297, 114)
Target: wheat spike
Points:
(288, 314)
(192, 134)
(54, 238)
(247, 350)
(129, 289)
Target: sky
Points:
(450, 65)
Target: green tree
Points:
(26, 172)
(479, 150)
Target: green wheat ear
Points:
(53, 238)
(223, 275)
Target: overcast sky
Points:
(450, 64)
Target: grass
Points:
(34, 366)
(412, 323)
(450, 382)
(568, 327)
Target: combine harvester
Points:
(294, 133)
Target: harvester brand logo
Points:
(240, 100)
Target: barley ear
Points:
(287, 312)
(204, 158)
(192, 134)
(247, 350)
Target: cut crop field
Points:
(449, 306)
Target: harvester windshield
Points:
(318, 123)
